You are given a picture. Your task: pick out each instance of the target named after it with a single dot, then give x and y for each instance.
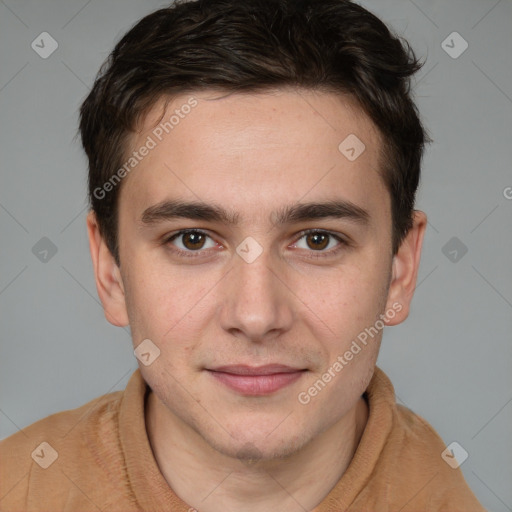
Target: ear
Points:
(108, 277)
(405, 270)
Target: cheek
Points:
(349, 299)
(162, 301)
(148, 300)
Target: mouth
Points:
(256, 380)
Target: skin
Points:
(252, 154)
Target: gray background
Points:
(450, 362)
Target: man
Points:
(252, 175)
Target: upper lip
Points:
(268, 369)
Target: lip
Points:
(268, 369)
(256, 380)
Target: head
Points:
(281, 136)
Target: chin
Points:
(250, 446)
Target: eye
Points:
(316, 240)
(190, 241)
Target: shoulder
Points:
(417, 455)
(63, 425)
(410, 469)
(43, 455)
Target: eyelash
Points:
(319, 254)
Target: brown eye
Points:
(317, 241)
(193, 240)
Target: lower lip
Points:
(256, 385)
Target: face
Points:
(257, 300)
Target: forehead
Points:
(253, 152)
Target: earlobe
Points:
(108, 278)
(405, 267)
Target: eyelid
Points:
(337, 236)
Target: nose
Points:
(257, 305)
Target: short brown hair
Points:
(250, 46)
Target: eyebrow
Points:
(299, 212)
